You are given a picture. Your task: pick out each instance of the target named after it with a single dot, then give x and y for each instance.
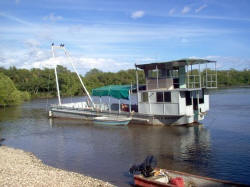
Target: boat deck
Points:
(89, 114)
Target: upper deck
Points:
(180, 74)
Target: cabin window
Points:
(167, 96)
(152, 74)
(159, 96)
(144, 97)
(163, 73)
(174, 73)
(188, 96)
(163, 96)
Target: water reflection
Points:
(111, 150)
(10, 113)
(175, 147)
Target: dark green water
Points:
(219, 148)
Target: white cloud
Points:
(185, 10)
(32, 43)
(171, 12)
(52, 17)
(200, 8)
(137, 14)
(230, 62)
(93, 41)
(33, 56)
(83, 64)
(16, 19)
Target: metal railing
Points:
(198, 81)
(211, 81)
(193, 81)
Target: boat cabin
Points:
(177, 88)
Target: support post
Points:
(57, 84)
(137, 86)
(109, 105)
(187, 76)
(100, 103)
(192, 75)
(192, 100)
(200, 74)
(149, 106)
(198, 101)
(67, 54)
(215, 75)
(157, 77)
(109, 101)
(119, 106)
(130, 93)
(206, 77)
(192, 96)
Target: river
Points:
(219, 147)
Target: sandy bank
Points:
(19, 168)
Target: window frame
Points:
(158, 97)
(170, 97)
(163, 100)
(143, 96)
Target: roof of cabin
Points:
(174, 63)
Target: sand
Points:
(20, 168)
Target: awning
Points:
(116, 91)
(173, 64)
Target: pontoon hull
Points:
(111, 121)
(137, 118)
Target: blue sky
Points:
(113, 34)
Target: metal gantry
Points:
(61, 46)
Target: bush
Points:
(25, 96)
(9, 95)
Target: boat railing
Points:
(193, 81)
(211, 80)
(81, 106)
(102, 106)
(198, 81)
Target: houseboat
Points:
(175, 93)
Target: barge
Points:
(175, 93)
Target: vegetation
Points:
(233, 78)
(41, 83)
(9, 95)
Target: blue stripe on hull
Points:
(111, 122)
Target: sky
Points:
(113, 35)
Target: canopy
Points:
(172, 64)
(116, 91)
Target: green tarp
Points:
(116, 91)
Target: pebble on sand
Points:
(19, 168)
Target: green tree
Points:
(9, 95)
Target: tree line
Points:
(41, 82)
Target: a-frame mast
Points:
(57, 85)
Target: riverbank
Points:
(20, 168)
